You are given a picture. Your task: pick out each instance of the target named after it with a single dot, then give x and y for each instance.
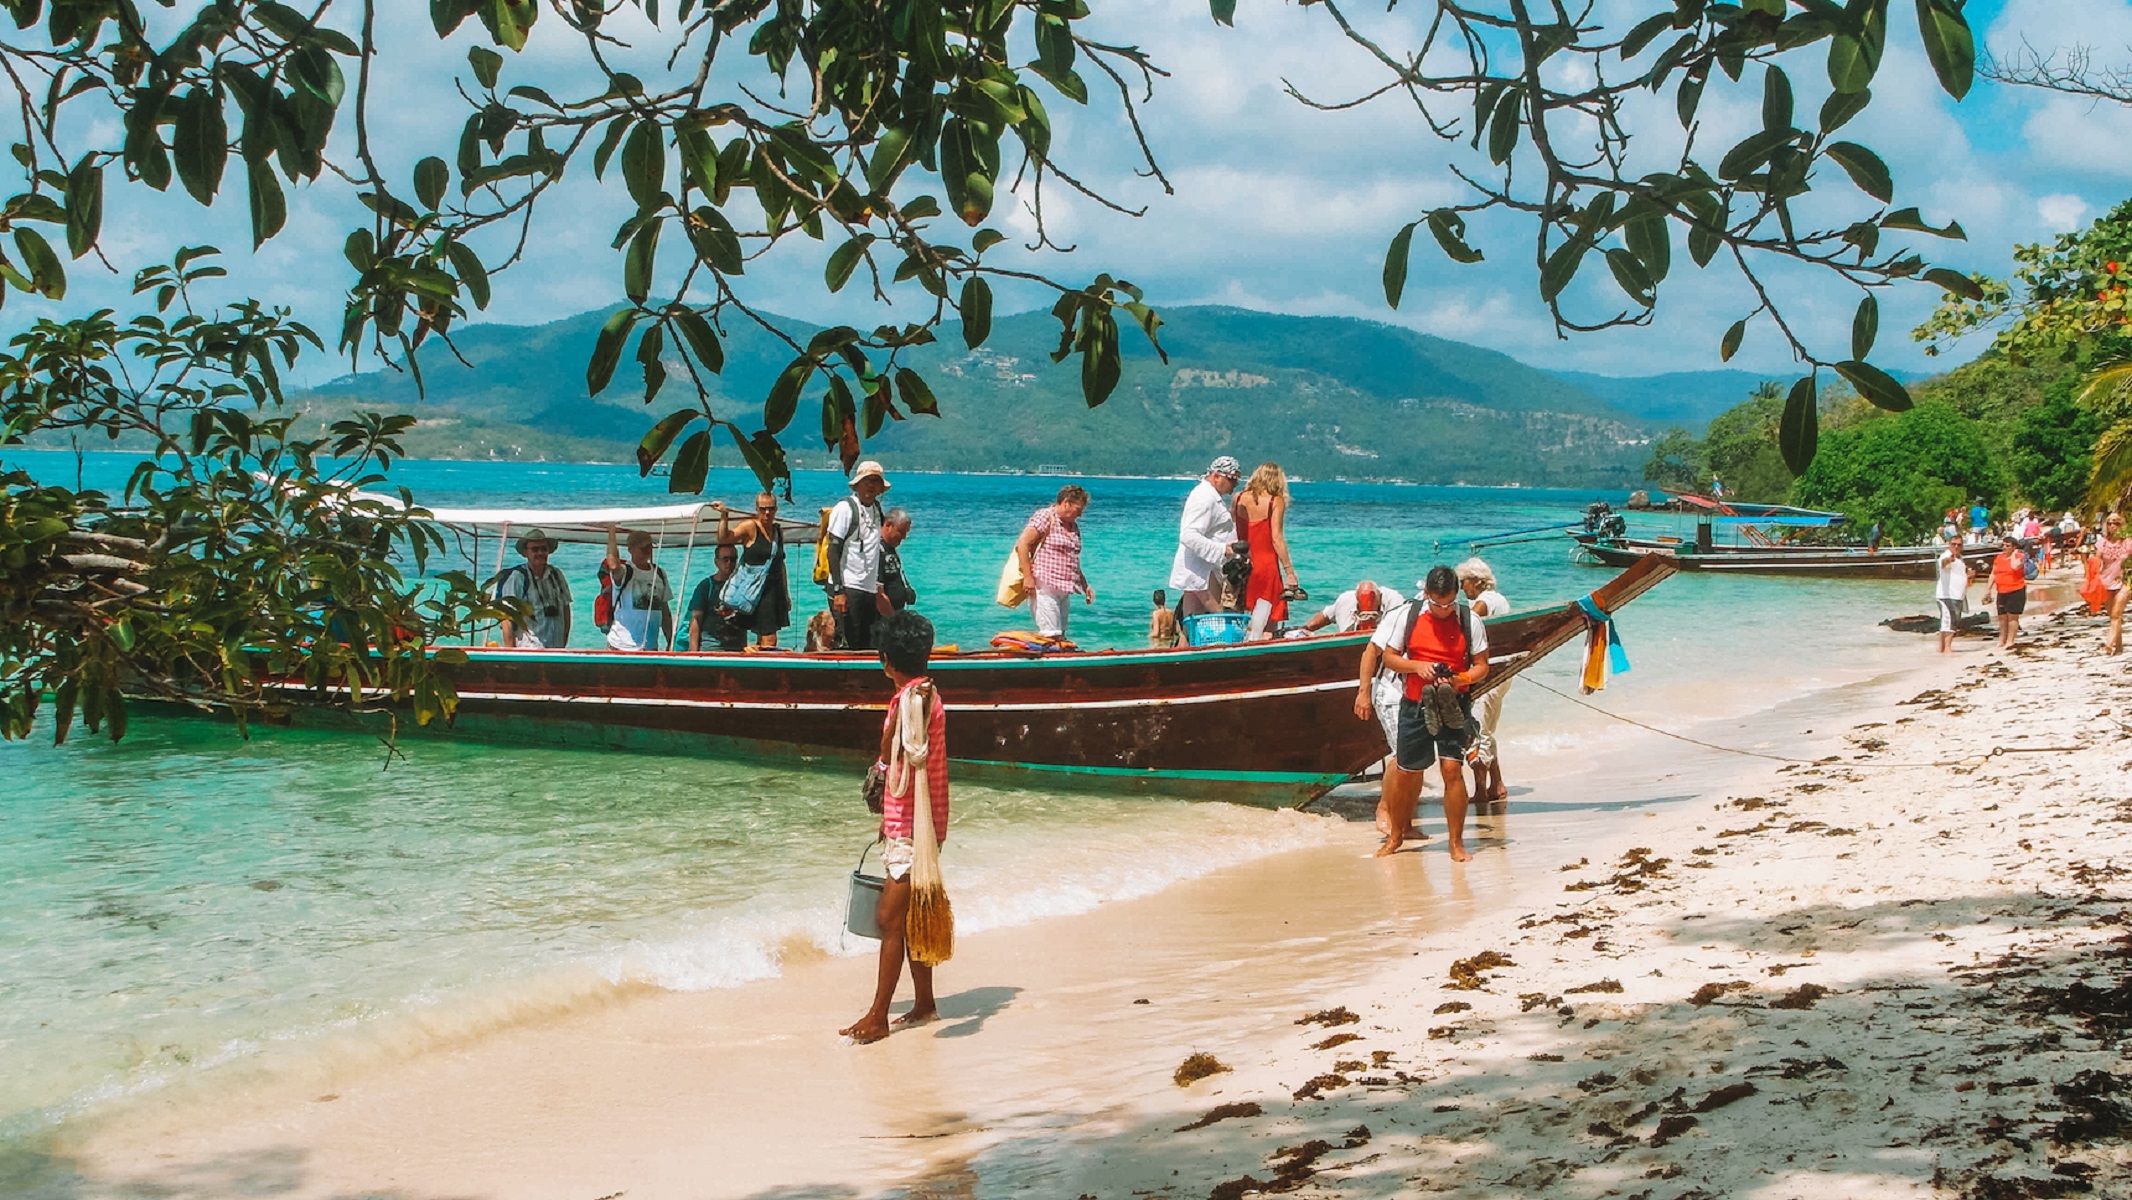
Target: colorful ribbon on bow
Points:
(1602, 647)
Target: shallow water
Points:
(187, 899)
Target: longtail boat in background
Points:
(1269, 723)
(1605, 541)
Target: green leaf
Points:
(638, 261)
(47, 277)
(1851, 62)
(1645, 30)
(1751, 152)
(702, 340)
(1799, 430)
(85, 206)
(985, 239)
(764, 455)
(1911, 219)
(890, 154)
(538, 95)
(976, 309)
(1650, 238)
(1100, 366)
(1949, 44)
(838, 407)
(1503, 127)
(472, 275)
(784, 395)
(1865, 169)
(1224, 11)
(607, 350)
(1561, 267)
(486, 63)
(692, 464)
(1729, 345)
(1953, 281)
(715, 241)
(1632, 278)
(270, 209)
(1865, 326)
(845, 259)
(1875, 385)
(1395, 264)
(916, 395)
(699, 158)
(431, 178)
(662, 435)
(1690, 96)
(650, 345)
(1840, 107)
(601, 153)
(1449, 228)
(1776, 99)
(644, 162)
(201, 144)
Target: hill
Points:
(1326, 396)
(1684, 398)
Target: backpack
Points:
(821, 543)
(1465, 623)
(603, 604)
(2029, 565)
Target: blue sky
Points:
(1281, 208)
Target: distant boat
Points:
(1843, 562)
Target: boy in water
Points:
(906, 642)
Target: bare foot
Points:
(866, 1030)
(1391, 846)
(915, 1017)
(1459, 853)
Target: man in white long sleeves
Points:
(1204, 536)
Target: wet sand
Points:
(1724, 976)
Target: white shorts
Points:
(896, 857)
(1050, 612)
(1486, 712)
(1951, 613)
(1385, 693)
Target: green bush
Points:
(1905, 470)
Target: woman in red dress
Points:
(1262, 513)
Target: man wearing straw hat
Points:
(643, 599)
(544, 592)
(854, 558)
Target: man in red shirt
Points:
(1442, 651)
(2009, 579)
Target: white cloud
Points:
(2061, 213)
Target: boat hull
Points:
(1900, 562)
(1268, 723)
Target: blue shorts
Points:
(1418, 749)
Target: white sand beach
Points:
(1900, 969)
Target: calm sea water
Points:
(188, 906)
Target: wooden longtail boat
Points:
(1840, 562)
(1268, 723)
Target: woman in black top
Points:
(762, 542)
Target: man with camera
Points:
(542, 590)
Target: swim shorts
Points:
(2013, 603)
(896, 857)
(1418, 749)
(1951, 614)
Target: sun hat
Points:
(1226, 465)
(870, 467)
(535, 534)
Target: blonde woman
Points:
(2112, 548)
(1261, 511)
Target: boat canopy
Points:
(672, 524)
(1734, 512)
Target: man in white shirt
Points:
(643, 599)
(855, 559)
(544, 592)
(1355, 610)
(1204, 536)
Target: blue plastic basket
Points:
(1216, 629)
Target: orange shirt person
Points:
(2009, 581)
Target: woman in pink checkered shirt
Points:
(1050, 554)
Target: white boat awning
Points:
(671, 524)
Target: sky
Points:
(1275, 206)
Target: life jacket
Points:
(603, 604)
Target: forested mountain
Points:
(1325, 396)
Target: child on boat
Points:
(917, 769)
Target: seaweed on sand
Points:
(1196, 1067)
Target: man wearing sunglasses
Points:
(1441, 650)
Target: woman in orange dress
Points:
(1262, 513)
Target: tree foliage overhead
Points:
(1538, 90)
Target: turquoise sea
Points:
(186, 909)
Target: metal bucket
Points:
(864, 902)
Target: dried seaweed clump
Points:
(1197, 1067)
(1609, 986)
(1329, 1017)
(1802, 996)
(1222, 1112)
(1466, 972)
(1710, 992)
